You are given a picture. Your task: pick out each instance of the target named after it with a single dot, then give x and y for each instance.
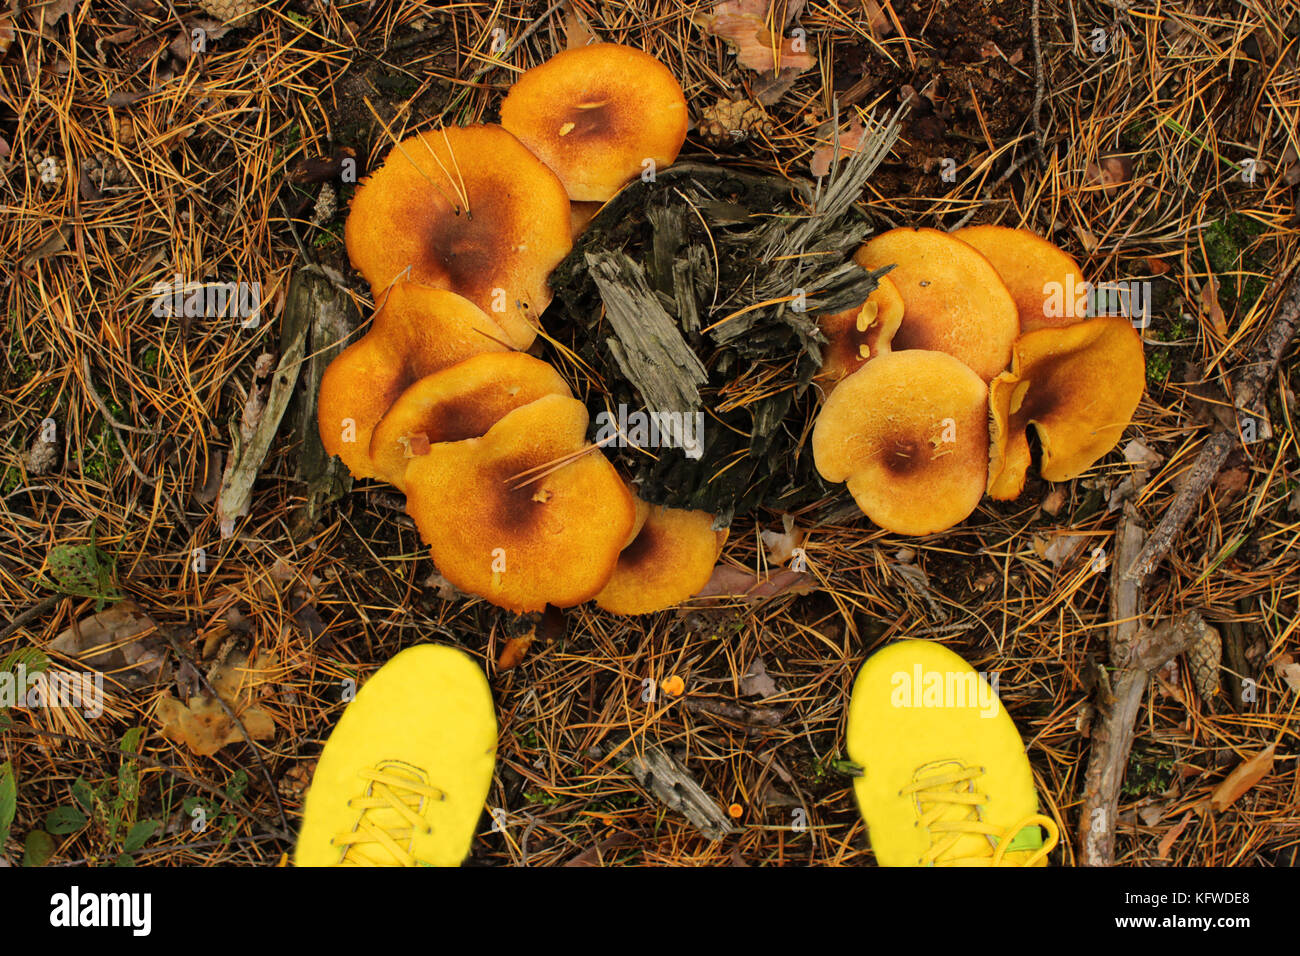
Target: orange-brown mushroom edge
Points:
(599, 116)
(668, 562)
(909, 433)
(953, 299)
(856, 335)
(416, 331)
(528, 515)
(461, 401)
(468, 209)
(1078, 385)
(1033, 269)
(580, 216)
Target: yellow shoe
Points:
(402, 780)
(945, 780)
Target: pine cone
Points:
(233, 13)
(1205, 657)
(326, 206)
(105, 170)
(49, 171)
(733, 121)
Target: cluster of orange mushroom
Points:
(971, 338)
(457, 234)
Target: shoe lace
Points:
(950, 808)
(392, 808)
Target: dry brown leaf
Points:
(850, 142)
(1175, 831)
(729, 581)
(53, 244)
(1210, 306)
(1286, 668)
(1059, 548)
(577, 31)
(120, 642)
(203, 725)
(47, 13)
(781, 545)
(744, 24)
(1111, 173)
(877, 19)
(756, 682)
(1232, 481)
(1249, 773)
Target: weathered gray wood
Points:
(648, 347)
(669, 782)
(317, 302)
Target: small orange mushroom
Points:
(528, 515)
(459, 402)
(468, 209)
(953, 299)
(417, 330)
(671, 558)
(599, 115)
(909, 433)
(674, 686)
(1078, 385)
(858, 334)
(1032, 269)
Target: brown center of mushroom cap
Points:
(465, 416)
(464, 250)
(592, 117)
(518, 509)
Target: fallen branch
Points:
(668, 780)
(1136, 653)
(1214, 452)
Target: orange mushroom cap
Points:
(1078, 385)
(459, 402)
(416, 331)
(1028, 264)
(858, 334)
(909, 433)
(953, 299)
(595, 114)
(468, 209)
(496, 530)
(670, 560)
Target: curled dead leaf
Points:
(747, 27)
(1286, 668)
(202, 724)
(120, 642)
(729, 581)
(1211, 308)
(849, 142)
(1247, 775)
